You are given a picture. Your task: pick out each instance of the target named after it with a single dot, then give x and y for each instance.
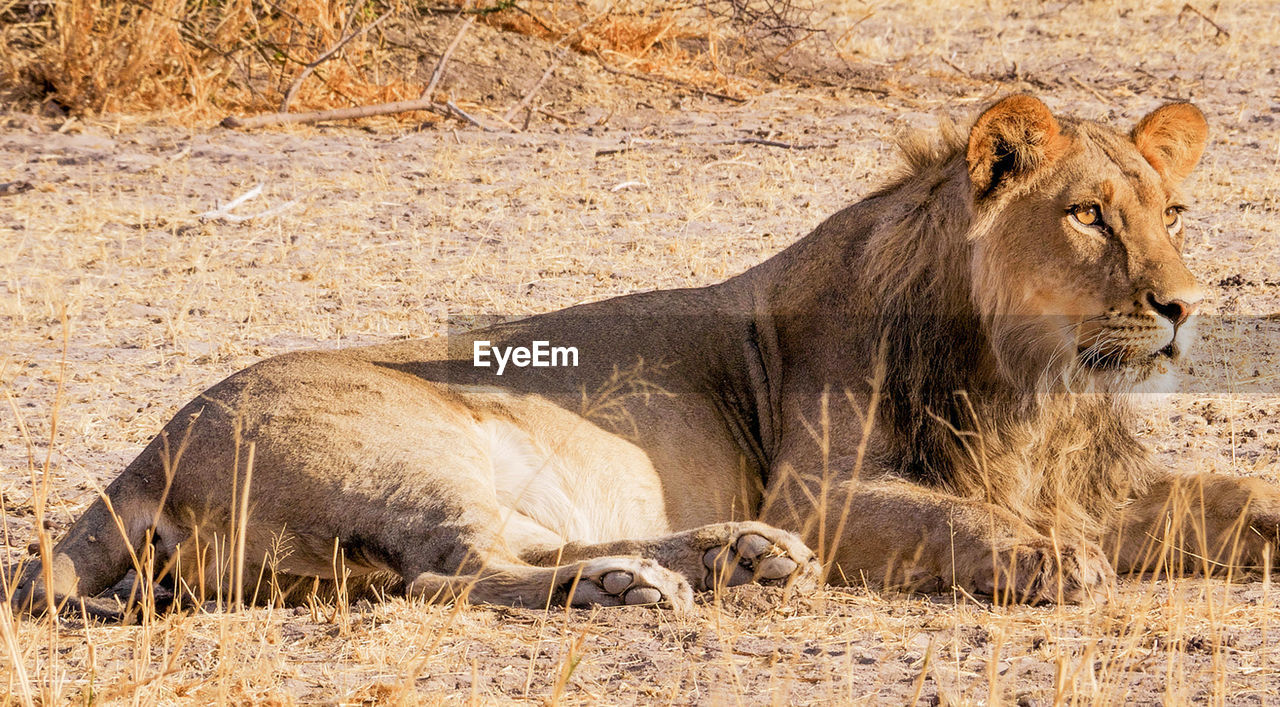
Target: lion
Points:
(926, 392)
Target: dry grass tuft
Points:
(675, 40)
(191, 60)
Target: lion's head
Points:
(1078, 229)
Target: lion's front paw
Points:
(1037, 573)
(622, 581)
(1251, 550)
(756, 552)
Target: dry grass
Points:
(396, 229)
(190, 60)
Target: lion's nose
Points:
(1175, 310)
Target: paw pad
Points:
(630, 581)
(753, 557)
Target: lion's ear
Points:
(1012, 139)
(1172, 138)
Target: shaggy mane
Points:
(961, 416)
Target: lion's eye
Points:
(1173, 218)
(1087, 215)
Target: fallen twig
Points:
(234, 218)
(768, 143)
(793, 45)
(533, 17)
(556, 116)
(309, 68)
(657, 78)
(438, 72)
(511, 114)
(763, 142)
(560, 57)
(333, 114)
(489, 10)
(223, 213)
(1076, 80)
(424, 102)
(227, 207)
(1222, 32)
(867, 89)
(462, 114)
(447, 109)
(959, 69)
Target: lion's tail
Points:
(99, 550)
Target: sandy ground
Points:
(102, 256)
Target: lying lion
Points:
(928, 390)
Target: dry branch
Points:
(226, 208)
(448, 108)
(309, 68)
(511, 114)
(465, 116)
(768, 143)
(763, 142)
(1076, 80)
(425, 102)
(655, 78)
(781, 17)
(555, 116)
(1188, 7)
(316, 116)
(959, 69)
(438, 72)
(559, 59)
(223, 213)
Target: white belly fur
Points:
(584, 486)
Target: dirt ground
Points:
(118, 303)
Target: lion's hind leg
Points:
(710, 556)
(603, 581)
